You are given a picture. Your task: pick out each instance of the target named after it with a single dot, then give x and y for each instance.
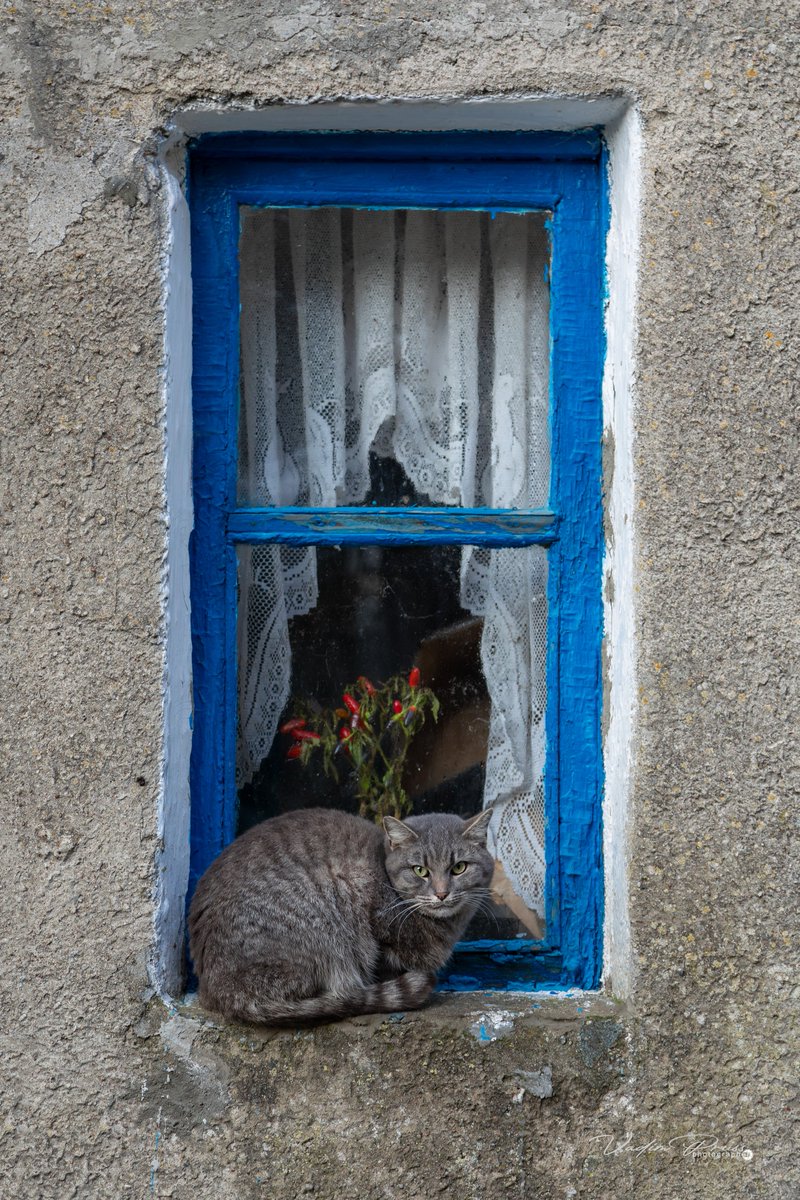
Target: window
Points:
(397, 362)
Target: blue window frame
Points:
(563, 174)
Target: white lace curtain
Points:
(422, 336)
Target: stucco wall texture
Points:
(108, 1092)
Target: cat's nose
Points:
(442, 895)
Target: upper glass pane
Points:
(394, 357)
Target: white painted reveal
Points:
(624, 141)
(172, 857)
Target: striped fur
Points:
(407, 991)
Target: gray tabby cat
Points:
(318, 914)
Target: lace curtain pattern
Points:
(422, 336)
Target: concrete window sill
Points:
(489, 1054)
(486, 1016)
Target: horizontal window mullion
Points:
(392, 526)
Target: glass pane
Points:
(394, 357)
(312, 620)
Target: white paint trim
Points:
(624, 140)
(523, 112)
(172, 858)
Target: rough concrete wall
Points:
(106, 1095)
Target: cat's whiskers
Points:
(415, 907)
(483, 896)
(401, 903)
(401, 906)
(405, 906)
(482, 905)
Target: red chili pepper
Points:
(350, 703)
(413, 678)
(291, 726)
(305, 735)
(410, 714)
(367, 686)
(397, 707)
(345, 733)
(294, 750)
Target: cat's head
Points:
(439, 860)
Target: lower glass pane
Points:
(472, 622)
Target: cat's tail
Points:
(410, 990)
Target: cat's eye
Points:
(458, 868)
(423, 872)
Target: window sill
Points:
(514, 1049)
(486, 1015)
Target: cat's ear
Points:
(398, 833)
(476, 828)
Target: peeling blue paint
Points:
(492, 1025)
(563, 175)
(154, 1164)
(396, 527)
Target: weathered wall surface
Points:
(108, 1095)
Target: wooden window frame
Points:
(563, 174)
